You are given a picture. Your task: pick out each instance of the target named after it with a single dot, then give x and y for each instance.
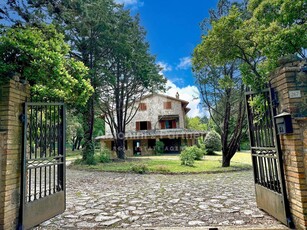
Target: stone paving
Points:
(118, 200)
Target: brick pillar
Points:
(291, 86)
(12, 96)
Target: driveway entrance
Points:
(105, 200)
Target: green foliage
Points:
(78, 162)
(256, 37)
(198, 152)
(242, 161)
(196, 123)
(159, 148)
(40, 56)
(202, 146)
(74, 129)
(140, 168)
(212, 142)
(105, 155)
(131, 71)
(88, 153)
(187, 157)
(99, 127)
(245, 145)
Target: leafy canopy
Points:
(40, 56)
(257, 36)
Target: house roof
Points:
(159, 133)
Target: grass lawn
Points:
(172, 164)
(73, 155)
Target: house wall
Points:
(108, 145)
(155, 108)
(294, 145)
(12, 96)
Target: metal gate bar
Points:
(43, 170)
(266, 156)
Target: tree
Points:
(258, 34)
(196, 123)
(89, 37)
(39, 55)
(221, 89)
(87, 25)
(74, 130)
(129, 72)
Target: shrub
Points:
(140, 168)
(105, 155)
(198, 152)
(187, 157)
(212, 142)
(159, 148)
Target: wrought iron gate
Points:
(43, 169)
(266, 156)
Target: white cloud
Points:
(185, 63)
(188, 93)
(164, 66)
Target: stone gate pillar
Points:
(290, 84)
(12, 95)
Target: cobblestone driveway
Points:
(107, 200)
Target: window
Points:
(168, 124)
(143, 125)
(142, 106)
(151, 143)
(167, 105)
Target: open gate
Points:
(267, 156)
(43, 169)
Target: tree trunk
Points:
(89, 126)
(226, 160)
(73, 143)
(120, 148)
(79, 143)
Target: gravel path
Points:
(116, 200)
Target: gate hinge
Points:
(22, 118)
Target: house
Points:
(159, 118)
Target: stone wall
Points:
(13, 95)
(290, 83)
(155, 109)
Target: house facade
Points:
(159, 118)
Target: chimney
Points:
(177, 95)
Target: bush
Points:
(187, 157)
(105, 155)
(159, 148)
(212, 142)
(140, 168)
(198, 152)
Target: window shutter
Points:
(137, 126)
(174, 124)
(167, 105)
(142, 106)
(162, 124)
(148, 125)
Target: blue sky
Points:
(173, 31)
